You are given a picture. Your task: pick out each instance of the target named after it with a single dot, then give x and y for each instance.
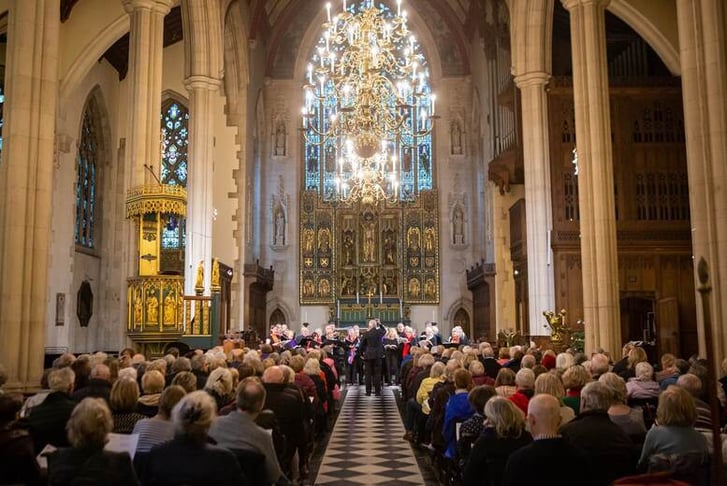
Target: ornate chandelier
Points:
(367, 101)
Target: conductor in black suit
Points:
(372, 348)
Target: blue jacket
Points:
(458, 410)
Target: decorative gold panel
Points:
(156, 304)
(156, 198)
(364, 251)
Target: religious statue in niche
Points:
(169, 306)
(324, 240)
(348, 249)
(199, 281)
(456, 137)
(369, 245)
(348, 284)
(308, 237)
(84, 303)
(412, 239)
(324, 287)
(389, 248)
(312, 160)
(279, 226)
(152, 308)
(330, 159)
(414, 287)
(429, 239)
(138, 307)
(308, 289)
(458, 225)
(280, 139)
(406, 160)
(430, 289)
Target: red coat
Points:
(521, 401)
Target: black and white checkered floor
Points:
(366, 446)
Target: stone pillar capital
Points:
(161, 6)
(196, 82)
(534, 78)
(571, 4)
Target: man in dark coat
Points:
(99, 385)
(372, 347)
(612, 454)
(47, 421)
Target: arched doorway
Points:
(277, 317)
(462, 319)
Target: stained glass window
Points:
(86, 173)
(175, 132)
(413, 153)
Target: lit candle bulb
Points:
(344, 5)
(398, 8)
(310, 73)
(333, 63)
(434, 100)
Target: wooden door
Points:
(667, 326)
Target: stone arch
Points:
(236, 62)
(277, 304)
(531, 39)
(667, 50)
(454, 307)
(203, 39)
(170, 94)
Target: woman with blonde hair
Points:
(673, 443)
(152, 384)
(629, 419)
(123, 401)
(189, 458)
(550, 384)
(86, 461)
(219, 387)
(574, 379)
(505, 383)
(504, 434)
(636, 355)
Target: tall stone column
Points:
(703, 54)
(146, 46)
(200, 209)
(595, 178)
(538, 206)
(26, 172)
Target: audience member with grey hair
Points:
(200, 370)
(643, 386)
(538, 456)
(599, 365)
(693, 385)
(159, 428)
(239, 432)
(98, 386)
(186, 380)
(525, 381)
(611, 452)
(630, 419)
(189, 458)
(152, 384)
(48, 420)
(219, 386)
(86, 461)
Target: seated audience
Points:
(693, 385)
(17, 454)
(471, 428)
(159, 428)
(673, 444)
(123, 400)
(458, 410)
(98, 386)
(189, 458)
(630, 419)
(86, 461)
(219, 387)
(563, 361)
(574, 379)
(636, 355)
(599, 365)
(38, 398)
(545, 457)
(682, 368)
(47, 421)
(186, 380)
(152, 384)
(550, 383)
(524, 381)
(668, 367)
(478, 374)
(643, 386)
(238, 430)
(610, 451)
(505, 383)
(504, 433)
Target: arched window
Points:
(87, 176)
(175, 132)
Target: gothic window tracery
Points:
(86, 177)
(174, 135)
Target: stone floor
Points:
(366, 445)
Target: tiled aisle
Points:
(366, 446)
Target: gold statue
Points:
(215, 274)
(152, 309)
(324, 287)
(138, 307)
(369, 247)
(557, 325)
(430, 288)
(169, 307)
(412, 239)
(199, 282)
(429, 239)
(308, 237)
(414, 287)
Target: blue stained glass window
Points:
(86, 178)
(175, 131)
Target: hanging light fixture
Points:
(367, 98)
